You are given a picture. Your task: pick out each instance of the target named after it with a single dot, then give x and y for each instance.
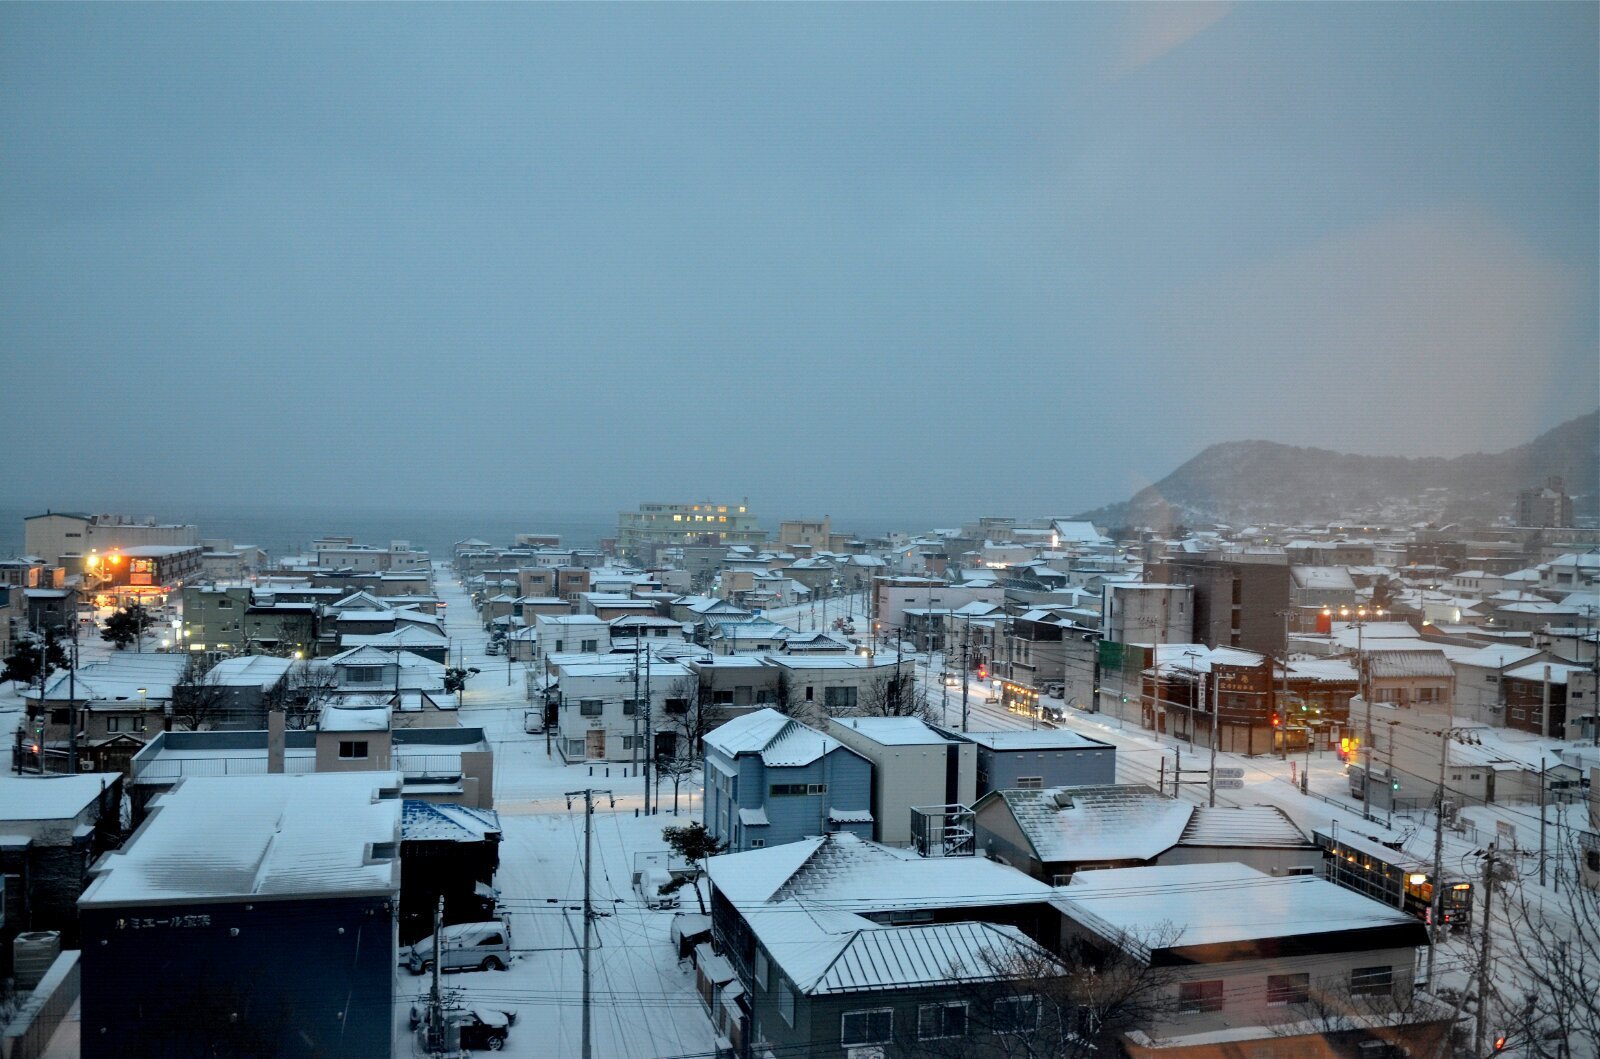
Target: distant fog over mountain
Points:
(1255, 481)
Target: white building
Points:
(600, 718)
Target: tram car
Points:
(1396, 878)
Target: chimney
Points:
(275, 742)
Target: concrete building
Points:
(806, 533)
(56, 534)
(1546, 505)
(279, 940)
(599, 715)
(1239, 597)
(643, 534)
(1146, 613)
(913, 765)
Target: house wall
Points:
(906, 776)
(379, 752)
(306, 977)
(1271, 860)
(847, 776)
(998, 836)
(1001, 769)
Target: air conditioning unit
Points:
(32, 953)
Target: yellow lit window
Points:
(677, 518)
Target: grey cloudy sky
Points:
(882, 258)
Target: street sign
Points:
(1230, 774)
(1230, 785)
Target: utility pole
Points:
(72, 704)
(965, 628)
(649, 740)
(1211, 782)
(1480, 1031)
(436, 1042)
(635, 758)
(1436, 897)
(1541, 819)
(588, 904)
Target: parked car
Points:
(655, 888)
(493, 648)
(465, 947)
(481, 1028)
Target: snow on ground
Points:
(644, 1002)
(820, 614)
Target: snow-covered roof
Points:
(894, 731)
(780, 740)
(1406, 663)
(754, 817)
(441, 822)
(826, 952)
(259, 838)
(1100, 823)
(1214, 904)
(1496, 656)
(1559, 671)
(339, 718)
(1322, 670)
(250, 671)
(50, 797)
(120, 678)
(1250, 826)
(847, 873)
(1322, 578)
(1038, 739)
(403, 636)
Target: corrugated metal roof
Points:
(1100, 823)
(1254, 826)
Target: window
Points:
(590, 646)
(761, 969)
(591, 707)
(363, 674)
(811, 694)
(61, 715)
(839, 698)
(1016, 1014)
(758, 843)
(941, 1020)
(1372, 981)
(786, 1001)
(352, 749)
(574, 747)
(1195, 997)
(1288, 988)
(225, 603)
(1030, 783)
(866, 1027)
(630, 707)
(782, 789)
(1303, 869)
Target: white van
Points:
(465, 947)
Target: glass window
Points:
(1199, 996)
(941, 1020)
(786, 1002)
(761, 969)
(839, 698)
(1030, 783)
(866, 1027)
(352, 749)
(1372, 981)
(1288, 988)
(591, 707)
(1015, 1014)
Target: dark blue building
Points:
(248, 916)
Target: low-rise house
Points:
(422, 641)
(1040, 758)
(1536, 697)
(903, 935)
(1306, 968)
(1479, 674)
(372, 669)
(913, 766)
(242, 688)
(117, 704)
(600, 715)
(748, 636)
(278, 940)
(1410, 677)
(772, 780)
(569, 634)
(51, 829)
(448, 851)
(448, 765)
(1054, 833)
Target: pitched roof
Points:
(1111, 822)
(1251, 826)
(1405, 663)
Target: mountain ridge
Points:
(1234, 482)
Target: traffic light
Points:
(1396, 785)
(983, 671)
(1276, 721)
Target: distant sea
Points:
(289, 531)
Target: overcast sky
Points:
(887, 258)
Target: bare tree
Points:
(1031, 1004)
(894, 696)
(1548, 999)
(690, 716)
(789, 702)
(303, 694)
(199, 699)
(1381, 1009)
